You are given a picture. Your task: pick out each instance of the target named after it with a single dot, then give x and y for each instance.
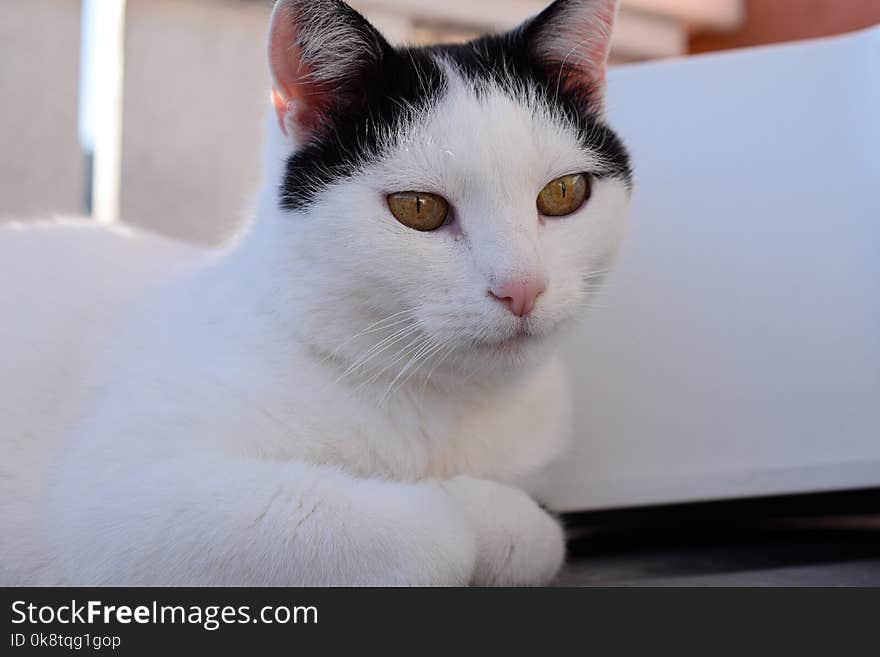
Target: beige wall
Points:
(41, 167)
(196, 88)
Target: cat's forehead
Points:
(469, 109)
(484, 141)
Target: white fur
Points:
(334, 400)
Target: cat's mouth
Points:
(519, 338)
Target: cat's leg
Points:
(226, 521)
(518, 543)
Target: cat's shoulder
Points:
(66, 285)
(77, 253)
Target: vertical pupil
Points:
(418, 205)
(562, 182)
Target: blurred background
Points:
(152, 110)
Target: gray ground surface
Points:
(635, 571)
(820, 540)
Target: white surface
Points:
(738, 351)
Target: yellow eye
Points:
(419, 210)
(564, 195)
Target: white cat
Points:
(356, 392)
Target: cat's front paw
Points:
(518, 543)
(414, 535)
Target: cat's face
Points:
(411, 195)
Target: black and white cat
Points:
(357, 391)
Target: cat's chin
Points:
(523, 349)
(509, 355)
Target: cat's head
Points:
(449, 207)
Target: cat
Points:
(360, 388)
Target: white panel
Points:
(104, 38)
(739, 353)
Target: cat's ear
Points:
(319, 51)
(572, 39)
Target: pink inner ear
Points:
(581, 43)
(297, 97)
(298, 103)
(282, 108)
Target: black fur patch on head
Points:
(388, 90)
(388, 87)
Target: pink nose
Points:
(519, 295)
